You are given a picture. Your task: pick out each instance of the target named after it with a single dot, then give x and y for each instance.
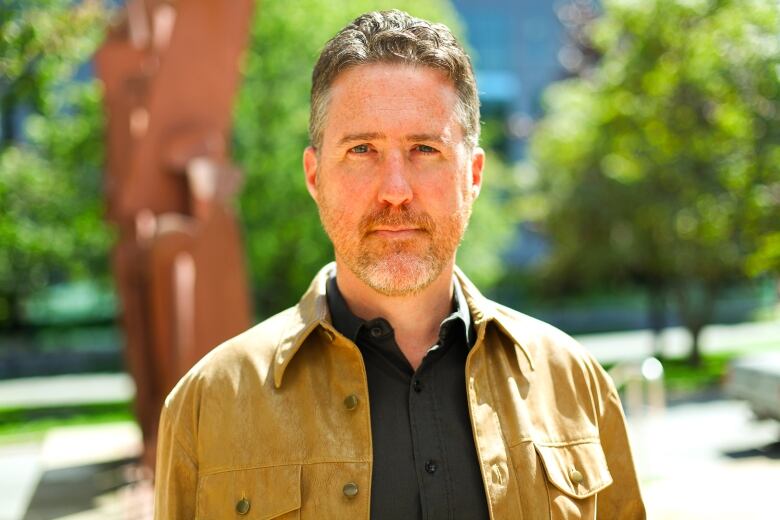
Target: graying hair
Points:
(395, 37)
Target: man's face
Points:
(393, 178)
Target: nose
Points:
(394, 186)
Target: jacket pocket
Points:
(251, 494)
(575, 474)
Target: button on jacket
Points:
(275, 423)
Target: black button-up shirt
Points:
(425, 462)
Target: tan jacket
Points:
(275, 423)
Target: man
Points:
(394, 389)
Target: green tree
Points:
(660, 166)
(50, 206)
(284, 239)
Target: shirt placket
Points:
(429, 455)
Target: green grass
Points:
(680, 378)
(33, 423)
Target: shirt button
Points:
(575, 476)
(417, 385)
(242, 507)
(350, 489)
(431, 467)
(351, 402)
(376, 331)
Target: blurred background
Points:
(632, 198)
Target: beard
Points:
(395, 266)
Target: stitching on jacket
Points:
(554, 443)
(493, 392)
(216, 471)
(184, 449)
(166, 416)
(563, 444)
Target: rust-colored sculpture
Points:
(170, 72)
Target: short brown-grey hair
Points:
(395, 37)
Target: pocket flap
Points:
(578, 470)
(256, 494)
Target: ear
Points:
(310, 170)
(477, 166)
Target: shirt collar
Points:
(348, 324)
(344, 320)
(313, 314)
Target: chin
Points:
(399, 274)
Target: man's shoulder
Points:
(543, 342)
(250, 353)
(540, 341)
(551, 354)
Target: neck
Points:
(415, 317)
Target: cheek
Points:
(344, 180)
(449, 194)
(343, 202)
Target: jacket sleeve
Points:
(622, 499)
(176, 472)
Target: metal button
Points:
(350, 489)
(243, 505)
(351, 402)
(575, 476)
(431, 466)
(376, 331)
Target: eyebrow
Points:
(416, 138)
(370, 136)
(363, 136)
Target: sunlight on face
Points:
(393, 178)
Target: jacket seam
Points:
(564, 444)
(185, 450)
(470, 373)
(493, 393)
(188, 452)
(284, 464)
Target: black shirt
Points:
(425, 462)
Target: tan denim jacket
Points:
(275, 423)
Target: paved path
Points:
(708, 461)
(626, 346)
(63, 473)
(20, 469)
(67, 390)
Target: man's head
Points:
(395, 37)
(393, 167)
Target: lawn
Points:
(33, 423)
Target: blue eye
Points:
(424, 148)
(361, 148)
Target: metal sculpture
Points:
(170, 72)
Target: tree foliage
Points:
(661, 165)
(284, 239)
(51, 148)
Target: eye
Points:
(424, 148)
(360, 149)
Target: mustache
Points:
(402, 217)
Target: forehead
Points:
(391, 98)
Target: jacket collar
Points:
(311, 313)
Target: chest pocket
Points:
(575, 474)
(251, 494)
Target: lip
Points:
(394, 229)
(395, 232)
